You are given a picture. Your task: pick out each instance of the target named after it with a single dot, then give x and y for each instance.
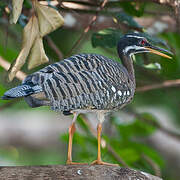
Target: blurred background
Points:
(145, 135)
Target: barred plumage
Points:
(83, 81)
(86, 82)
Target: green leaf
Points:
(2, 6)
(127, 148)
(127, 19)
(140, 62)
(132, 8)
(137, 127)
(2, 91)
(8, 53)
(130, 155)
(143, 127)
(82, 124)
(154, 66)
(107, 38)
(79, 139)
(152, 154)
(9, 152)
(27, 4)
(64, 137)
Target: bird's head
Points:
(134, 43)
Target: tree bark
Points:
(72, 172)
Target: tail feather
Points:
(21, 91)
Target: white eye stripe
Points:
(132, 47)
(138, 37)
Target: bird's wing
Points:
(81, 81)
(82, 73)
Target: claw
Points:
(74, 163)
(99, 162)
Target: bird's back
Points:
(83, 81)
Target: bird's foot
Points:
(74, 163)
(99, 162)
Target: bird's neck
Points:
(128, 64)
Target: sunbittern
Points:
(86, 83)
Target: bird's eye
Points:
(143, 42)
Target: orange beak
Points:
(154, 50)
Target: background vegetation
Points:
(145, 134)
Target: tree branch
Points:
(73, 172)
(155, 124)
(88, 27)
(6, 65)
(9, 104)
(165, 84)
(174, 4)
(155, 166)
(54, 47)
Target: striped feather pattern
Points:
(84, 81)
(22, 91)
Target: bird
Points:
(87, 83)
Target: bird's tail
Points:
(21, 91)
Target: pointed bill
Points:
(159, 53)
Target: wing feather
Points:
(81, 81)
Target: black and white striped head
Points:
(134, 43)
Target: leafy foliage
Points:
(131, 8)
(43, 21)
(122, 17)
(106, 38)
(137, 127)
(110, 37)
(2, 6)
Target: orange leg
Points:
(72, 129)
(99, 161)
